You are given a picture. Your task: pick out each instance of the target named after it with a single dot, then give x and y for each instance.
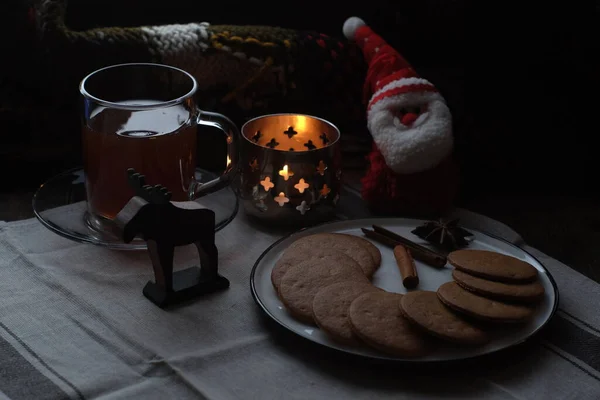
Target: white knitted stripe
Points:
(409, 99)
(399, 83)
(171, 40)
(404, 82)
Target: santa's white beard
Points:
(420, 146)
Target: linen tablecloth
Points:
(74, 324)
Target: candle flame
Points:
(286, 173)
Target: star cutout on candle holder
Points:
(286, 173)
(267, 184)
(273, 143)
(290, 132)
(310, 145)
(256, 136)
(321, 167)
(254, 165)
(301, 185)
(281, 199)
(325, 190)
(336, 199)
(324, 138)
(303, 207)
(255, 192)
(261, 206)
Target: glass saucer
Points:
(60, 205)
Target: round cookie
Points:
(467, 303)
(424, 309)
(524, 292)
(344, 243)
(295, 256)
(302, 281)
(371, 248)
(330, 308)
(376, 319)
(493, 266)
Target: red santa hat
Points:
(394, 86)
(389, 73)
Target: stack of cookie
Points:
(324, 279)
(319, 275)
(491, 287)
(496, 276)
(488, 287)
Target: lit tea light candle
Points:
(286, 173)
(301, 185)
(228, 161)
(295, 158)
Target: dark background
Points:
(521, 80)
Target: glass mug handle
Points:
(232, 135)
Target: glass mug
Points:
(144, 116)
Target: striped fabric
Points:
(73, 324)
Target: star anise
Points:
(446, 235)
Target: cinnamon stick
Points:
(419, 252)
(407, 267)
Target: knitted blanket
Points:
(242, 71)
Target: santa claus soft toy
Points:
(410, 167)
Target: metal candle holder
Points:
(290, 169)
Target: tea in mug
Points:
(158, 143)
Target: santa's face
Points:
(413, 131)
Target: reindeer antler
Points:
(156, 194)
(159, 194)
(137, 182)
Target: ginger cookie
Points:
(301, 282)
(467, 303)
(376, 319)
(524, 292)
(370, 247)
(492, 266)
(347, 244)
(330, 308)
(425, 310)
(295, 256)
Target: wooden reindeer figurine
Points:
(151, 216)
